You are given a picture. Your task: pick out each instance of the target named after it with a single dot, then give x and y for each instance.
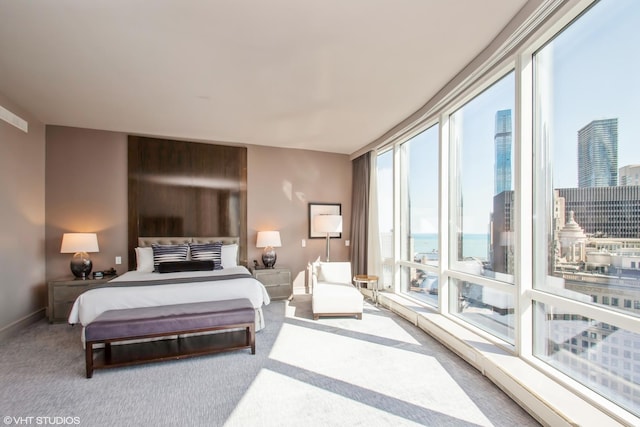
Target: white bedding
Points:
(92, 303)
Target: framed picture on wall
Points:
(316, 209)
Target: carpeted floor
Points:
(379, 371)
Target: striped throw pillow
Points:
(165, 253)
(206, 252)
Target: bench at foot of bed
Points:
(166, 321)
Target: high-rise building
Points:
(598, 154)
(503, 142)
(606, 211)
(629, 175)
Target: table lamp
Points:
(80, 244)
(268, 240)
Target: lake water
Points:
(473, 245)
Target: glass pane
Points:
(385, 202)
(587, 103)
(603, 357)
(419, 284)
(482, 135)
(386, 281)
(489, 309)
(420, 172)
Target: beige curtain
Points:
(361, 173)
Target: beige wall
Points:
(86, 190)
(22, 210)
(281, 184)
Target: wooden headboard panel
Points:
(179, 189)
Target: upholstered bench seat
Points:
(168, 320)
(333, 293)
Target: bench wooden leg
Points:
(89, 359)
(251, 338)
(107, 352)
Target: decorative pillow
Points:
(229, 256)
(144, 259)
(166, 253)
(207, 251)
(178, 266)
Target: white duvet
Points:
(93, 302)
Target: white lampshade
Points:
(268, 238)
(79, 242)
(328, 223)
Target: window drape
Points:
(361, 173)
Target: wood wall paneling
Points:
(179, 188)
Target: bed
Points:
(145, 287)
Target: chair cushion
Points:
(334, 272)
(330, 298)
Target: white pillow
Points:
(229, 256)
(144, 259)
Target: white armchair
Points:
(332, 293)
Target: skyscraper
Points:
(598, 154)
(503, 142)
(629, 175)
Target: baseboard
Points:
(15, 327)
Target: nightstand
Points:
(63, 293)
(277, 280)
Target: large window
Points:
(482, 137)
(588, 240)
(540, 191)
(419, 241)
(482, 230)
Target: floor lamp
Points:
(328, 224)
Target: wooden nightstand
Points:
(63, 293)
(277, 280)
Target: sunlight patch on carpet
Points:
(420, 380)
(284, 401)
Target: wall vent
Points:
(14, 120)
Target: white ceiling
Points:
(328, 75)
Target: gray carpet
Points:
(380, 371)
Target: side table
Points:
(63, 293)
(360, 279)
(276, 280)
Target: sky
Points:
(595, 75)
(596, 69)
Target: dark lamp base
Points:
(81, 265)
(269, 257)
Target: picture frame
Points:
(323, 209)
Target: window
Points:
(484, 307)
(419, 242)
(547, 321)
(420, 220)
(575, 217)
(384, 175)
(481, 133)
(586, 131)
(585, 134)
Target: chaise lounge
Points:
(333, 294)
